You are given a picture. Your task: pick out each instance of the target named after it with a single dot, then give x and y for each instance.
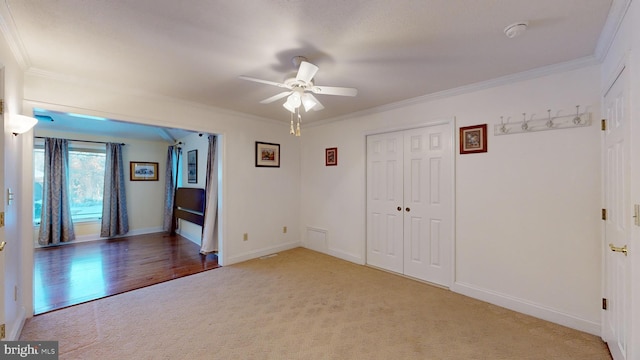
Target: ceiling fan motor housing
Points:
(297, 60)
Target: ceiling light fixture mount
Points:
(516, 29)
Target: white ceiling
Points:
(389, 50)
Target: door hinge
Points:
(3, 331)
(604, 304)
(603, 124)
(604, 214)
(1, 219)
(1, 106)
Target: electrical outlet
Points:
(245, 237)
(284, 229)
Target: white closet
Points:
(410, 202)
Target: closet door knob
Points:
(399, 208)
(408, 209)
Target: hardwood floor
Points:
(74, 273)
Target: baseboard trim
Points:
(346, 256)
(95, 237)
(16, 328)
(261, 252)
(527, 307)
(194, 238)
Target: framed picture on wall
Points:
(473, 139)
(267, 154)
(143, 171)
(331, 156)
(192, 166)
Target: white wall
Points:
(527, 226)
(257, 201)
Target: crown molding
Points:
(483, 85)
(131, 92)
(611, 27)
(11, 35)
(503, 80)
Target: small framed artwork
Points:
(267, 154)
(192, 166)
(143, 171)
(473, 139)
(331, 156)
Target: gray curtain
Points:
(170, 179)
(115, 220)
(210, 227)
(56, 225)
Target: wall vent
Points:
(316, 239)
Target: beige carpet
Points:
(302, 305)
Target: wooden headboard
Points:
(189, 205)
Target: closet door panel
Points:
(384, 197)
(416, 198)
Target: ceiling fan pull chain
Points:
(291, 130)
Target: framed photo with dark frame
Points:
(192, 166)
(267, 154)
(331, 156)
(473, 139)
(143, 171)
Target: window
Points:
(86, 181)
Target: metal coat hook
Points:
(503, 128)
(549, 122)
(525, 125)
(577, 120)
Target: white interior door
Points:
(385, 201)
(428, 204)
(617, 232)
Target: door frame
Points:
(3, 209)
(451, 122)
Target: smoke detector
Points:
(516, 29)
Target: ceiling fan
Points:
(300, 89)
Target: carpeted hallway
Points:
(302, 305)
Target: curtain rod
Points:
(87, 141)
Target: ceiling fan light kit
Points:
(300, 91)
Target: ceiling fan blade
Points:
(318, 106)
(264, 81)
(306, 72)
(276, 97)
(334, 90)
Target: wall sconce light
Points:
(18, 124)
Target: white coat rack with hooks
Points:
(532, 124)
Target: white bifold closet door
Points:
(410, 202)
